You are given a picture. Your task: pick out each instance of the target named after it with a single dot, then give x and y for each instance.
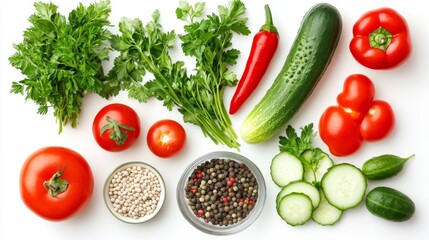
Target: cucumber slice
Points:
(300, 187)
(317, 171)
(295, 209)
(326, 214)
(344, 186)
(285, 168)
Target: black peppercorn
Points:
(221, 191)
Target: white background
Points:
(22, 131)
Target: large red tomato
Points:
(56, 183)
(339, 131)
(166, 137)
(116, 127)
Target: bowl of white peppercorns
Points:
(134, 192)
(221, 193)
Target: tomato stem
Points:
(56, 184)
(380, 39)
(117, 134)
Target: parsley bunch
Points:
(62, 59)
(198, 96)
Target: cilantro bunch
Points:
(198, 95)
(61, 59)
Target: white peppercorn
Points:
(134, 192)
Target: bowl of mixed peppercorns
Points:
(134, 192)
(221, 193)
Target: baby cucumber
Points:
(383, 166)
(390, 204)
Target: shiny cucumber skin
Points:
(390, 204)
(308, 58)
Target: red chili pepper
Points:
(381, 39)
(264, 46)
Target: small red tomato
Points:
(339, 131)
(116, 127)
(166, 137)
(357, 96)
(56, 183)
(378, 122)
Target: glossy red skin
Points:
(122, 114)
(356, 118)
(263, 48)
(166, 138)
(398, 50)
(357, 96)
(378, 122)
(39, 167)
(339, 131)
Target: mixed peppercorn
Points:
(221, 191)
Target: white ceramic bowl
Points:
(208, 227)
(109, 204)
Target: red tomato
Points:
(166, 137)
(56, 183)
(339, 131)
(378, 122)
(116, 127)
(357, 96)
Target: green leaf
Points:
(63, 60)
(295, 144)
(196, 94)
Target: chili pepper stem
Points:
(269, 25)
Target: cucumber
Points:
(285, 168)
(313, 173)
(300, 187)
(326, 214)
(344, 186)
(383, 166)
(295, 209)
(390, 204)
(309, 57)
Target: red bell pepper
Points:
(356, 118)
(264, 46)
(381, 39)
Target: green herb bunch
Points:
(198, 96)
(61, 59)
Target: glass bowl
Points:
(138, 184)
(219, 202)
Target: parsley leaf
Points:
(295, 144)
(61, 59)
(197, 95)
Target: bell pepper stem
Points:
(380, 38)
